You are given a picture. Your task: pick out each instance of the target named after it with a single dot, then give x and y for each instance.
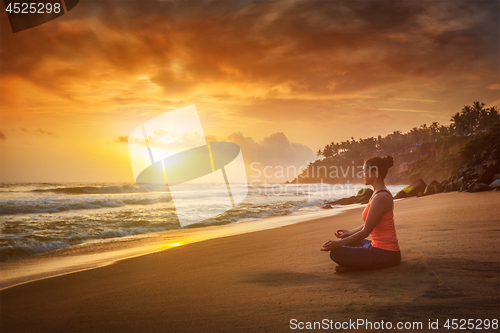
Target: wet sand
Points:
(260, 281)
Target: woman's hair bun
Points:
(388, 161)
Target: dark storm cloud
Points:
(312, 47)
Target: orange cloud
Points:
(315, 71)
(273, 151)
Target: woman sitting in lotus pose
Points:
(353, 251)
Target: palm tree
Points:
(458, 122)
(433, 129)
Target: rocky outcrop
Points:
(495, 184)
(479, 174)
(362, 197)
(412, 190)
(434, 187)
(482, 173)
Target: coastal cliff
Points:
(465, 151)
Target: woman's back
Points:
(384, 233)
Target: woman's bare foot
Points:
(341, 269)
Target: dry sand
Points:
(259, 281)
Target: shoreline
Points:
(38, 224)
(259, 281)
(91, 255)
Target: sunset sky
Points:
(279, 78)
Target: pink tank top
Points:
(384, 234)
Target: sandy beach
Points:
(260, 281)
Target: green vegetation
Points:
(480, 141)
(440, 167)
(472, 119)
(426, 152)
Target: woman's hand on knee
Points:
(342, 233)
(331, 245)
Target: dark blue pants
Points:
(363, 256)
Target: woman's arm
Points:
(344, 232)
(377, 209)
(353, 231)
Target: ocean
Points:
(38, 218)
